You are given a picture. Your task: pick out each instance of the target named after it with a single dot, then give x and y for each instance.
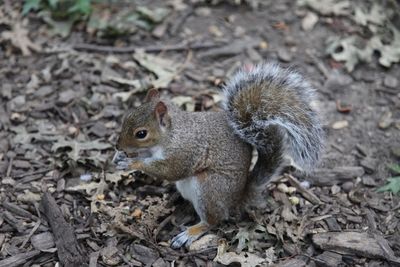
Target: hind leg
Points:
(213, 197)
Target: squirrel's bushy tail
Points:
(269, 107)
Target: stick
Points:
(149, 49)
(32, 173)
(307, 194)
(19, 259)
(31, 233)
(68, 250)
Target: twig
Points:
(307, 194)
(18, 210)
(31, 233)
(32, 173)
(10, 164)
(162, 225)
(180, 21)
(320, 66)
(149, 49)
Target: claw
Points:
(181, 239)
(187, 237)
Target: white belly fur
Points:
(189, 189)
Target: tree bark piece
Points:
(18, 259)
(355, 243)
(329, 259)
(148, 49)
(18, 210)
(68, 250)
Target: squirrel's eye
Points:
(141, 134)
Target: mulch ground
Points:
(61, 105)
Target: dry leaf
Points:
(245, 259)
(18, 36)
(164, 69)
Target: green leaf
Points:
(392, 186)
(81, 6)
(30, 5)
(53, 3)
(395, 168)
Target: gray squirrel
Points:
(208, 154)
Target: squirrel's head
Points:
(144, 126)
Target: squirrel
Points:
(208, 154)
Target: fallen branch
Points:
(68, 250)
(149, 49)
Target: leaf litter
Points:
(128, 218)
(354, 49)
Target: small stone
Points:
(335, 189)
(203, 11)
(347, 186)
(390, 81)
(368, 164)
(263, 45)
(340, 124)
(386, 120)
(284, 55)
(309, 21)
(368, 181)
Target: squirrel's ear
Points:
(152, 94)
(161, 112)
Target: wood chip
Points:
(18, 259)
(354, 243)
(68, 250)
